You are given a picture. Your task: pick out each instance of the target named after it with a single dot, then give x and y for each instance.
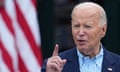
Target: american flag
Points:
(19, 37)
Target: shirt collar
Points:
(98, 58)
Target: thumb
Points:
(63, 62)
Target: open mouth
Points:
(82, 42)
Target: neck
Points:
(93, 52)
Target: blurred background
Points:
(54, 19)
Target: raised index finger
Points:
(55, 52)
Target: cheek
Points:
(94, 36)
(74, 33)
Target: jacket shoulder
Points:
(67, 53)
(113, 55)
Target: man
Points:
(89, 26)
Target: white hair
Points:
(103, 17)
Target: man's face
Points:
(86, 29)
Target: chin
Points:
(83, 48)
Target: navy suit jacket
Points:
(110, 61)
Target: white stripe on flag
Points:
(29, 13)
(21, 48)
(25, 51)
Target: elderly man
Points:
(89, 26)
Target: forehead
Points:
(85, 12)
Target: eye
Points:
(76, 25)
(88, 26)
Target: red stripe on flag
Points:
(34, 2)
(7, 21)
(40, 56)
(6, 57)
(9, 25)
(27, 32)
(22, 67)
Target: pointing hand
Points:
(55, 63)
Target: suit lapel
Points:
(108, 62)
(72, 64)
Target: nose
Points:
(81, 32)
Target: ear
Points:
(104, 29)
